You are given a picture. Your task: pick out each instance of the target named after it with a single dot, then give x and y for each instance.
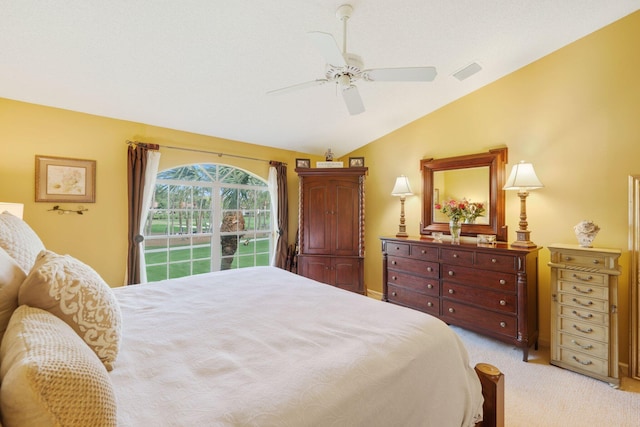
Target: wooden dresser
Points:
(331, 226)
(491, 290)
(584, 314)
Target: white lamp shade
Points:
(523, 177)
(402, 187)
(15, 209)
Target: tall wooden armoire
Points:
(331, 226)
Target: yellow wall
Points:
(574, 114)
(99, 237)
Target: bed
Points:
(256, 346)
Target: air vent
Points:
(467, 71)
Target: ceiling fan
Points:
(344, 68)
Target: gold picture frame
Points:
(62, 179)
(356, 162)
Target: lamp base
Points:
(402, 231)
(522, 240)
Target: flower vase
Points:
(455, 228)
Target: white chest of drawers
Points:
(584, 314)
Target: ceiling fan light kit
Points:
(345, 69)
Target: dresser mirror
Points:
(476, 177)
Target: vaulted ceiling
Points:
(205, 66)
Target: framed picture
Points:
(356, 162)
(303, 163)
(60, 179)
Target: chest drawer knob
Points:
(584, 304)
(503, 302)
(452, 310)
(423, 251)
(567, 258)
(394, 277)
(582, 291)
(451, 291)
(493, 260)
(595, 261)
(582, 316)
(582, 362)
(503, 324)
(429, 286)
(586, 279)
(455, 255)
(584, 331)
(503, 282)
(582, 346)
(394, 293)
(429, 304)
(451, 273)
(429, 269)
(394, 262)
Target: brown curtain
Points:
(136, 167)
(283, 215)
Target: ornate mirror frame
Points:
(496, 160)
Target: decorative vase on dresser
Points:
(492, 289)
(331, 226)
(584, 310)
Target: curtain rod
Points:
(219, 154)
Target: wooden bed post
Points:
(492, 381)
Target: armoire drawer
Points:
(596, 317)
(584, 361)
(586, 278)
(584, 290)
(587, 303)
(583, 345)
(584, 329)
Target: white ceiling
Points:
(204, 66)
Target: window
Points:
(207, 217)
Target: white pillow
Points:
(11, 276)
(19, 240)
(76, 293)
(50, 377)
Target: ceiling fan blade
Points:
(297, 87)
(353, 100)
(328, 47)
(409, 74)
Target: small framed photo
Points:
(61, 179)
(356, 162)
(303, 163)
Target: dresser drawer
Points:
(593, 279)
(398, 249)
(584, 302)
(490, 279)
(461, 314)
(583, 259)
(456, 256)
(423, 268)
(584, 361)
(418, 301)
(583, 345)
(415, 283)
(489, 299)
(584, 329)
(497, 262)
(587, 291)
(596, 317)
(424, 253)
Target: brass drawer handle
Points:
(584, 331)
(568, 258)
(575, 276)
(595, 261)
(503, 302)
(451, 291)
(577, 289)
(586, 363)
(452, 310)
(584, 347)
(503, 324)
(451, 273)
(503, 282)
(582, 316)
(577, 301)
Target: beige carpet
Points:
(539, 394)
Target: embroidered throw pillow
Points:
(75, 293)
(50, 377)
(19, 240)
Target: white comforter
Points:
(265, 347)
